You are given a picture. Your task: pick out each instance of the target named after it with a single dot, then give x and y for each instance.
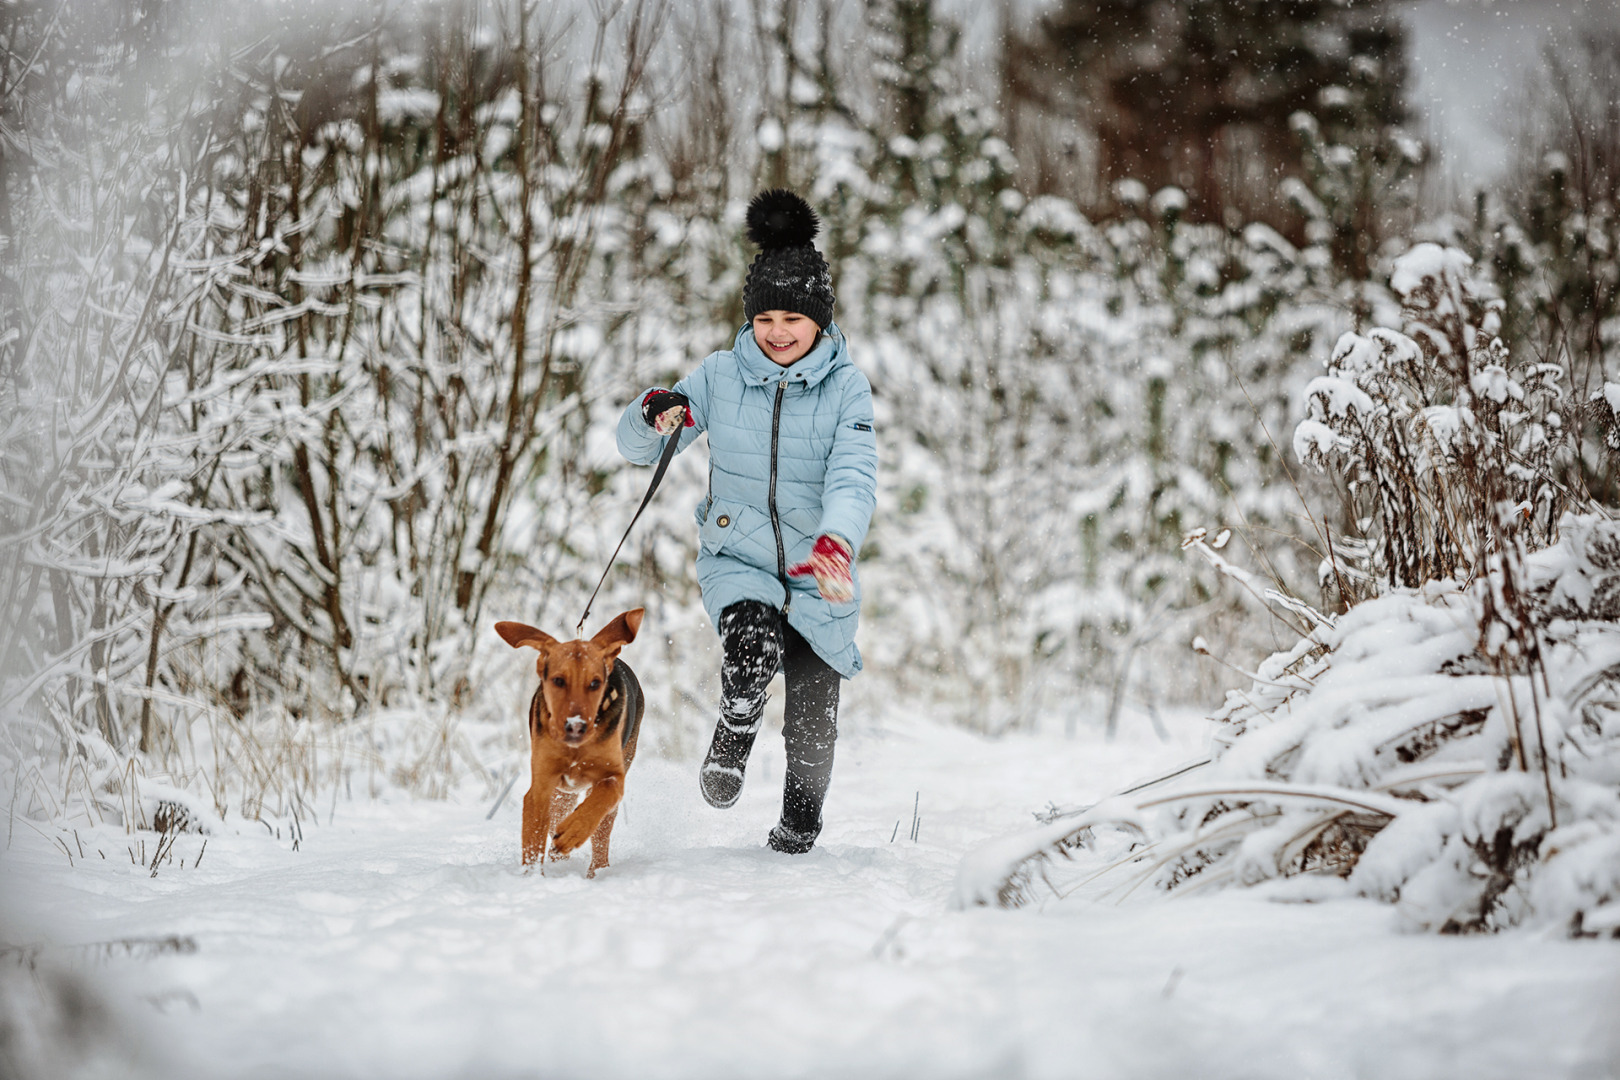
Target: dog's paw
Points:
(571, 834)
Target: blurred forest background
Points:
(315, 318)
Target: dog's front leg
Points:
(537, 816)
(599, 842)
(561, 803)
(577, 827)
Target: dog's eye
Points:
(596, 684)
(558, 680)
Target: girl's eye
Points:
(596, 684)
(558, 680)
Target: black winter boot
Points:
(809, 731)
(800, 824)
(788, 842)
(751, 634)
(721, 777)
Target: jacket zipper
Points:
(776, 522)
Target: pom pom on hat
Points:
(788, 274)
(778, 218)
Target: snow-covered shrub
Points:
(1445, 449)
(1384, 756)
(299, 369)
(1450, 743)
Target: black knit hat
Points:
(788, 274)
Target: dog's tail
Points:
(635, 703)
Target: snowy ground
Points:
(402, 940)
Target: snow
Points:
(1379, 351)
(1611, 396)
(1444, 422)
(1342, 395)
(1494, 383)
(1169, 200)
(1313, 438)
(770, 135)
(1429, 266)
(401, 939)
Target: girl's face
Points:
(785, 336)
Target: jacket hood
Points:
(828, 354)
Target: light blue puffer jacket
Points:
(825, 479)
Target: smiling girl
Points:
(792, 486)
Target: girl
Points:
(792, 485)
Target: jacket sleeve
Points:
(849, 494)
(640, 444)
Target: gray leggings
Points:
(758, 642)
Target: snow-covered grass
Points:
(401, 939)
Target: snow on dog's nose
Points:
(574, 729)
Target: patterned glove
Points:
(664, 411)
(830, 562)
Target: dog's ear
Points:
(620, 632)
(517, 635)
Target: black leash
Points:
(658, 477)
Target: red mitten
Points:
(830, 562)
(665, 411)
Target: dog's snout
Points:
(574, 727)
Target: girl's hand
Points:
(830, 561)
(666, 411)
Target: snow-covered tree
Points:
(1199, 93)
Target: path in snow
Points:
(402, 940)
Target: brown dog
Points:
(583, 724)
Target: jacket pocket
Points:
(729, 526)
